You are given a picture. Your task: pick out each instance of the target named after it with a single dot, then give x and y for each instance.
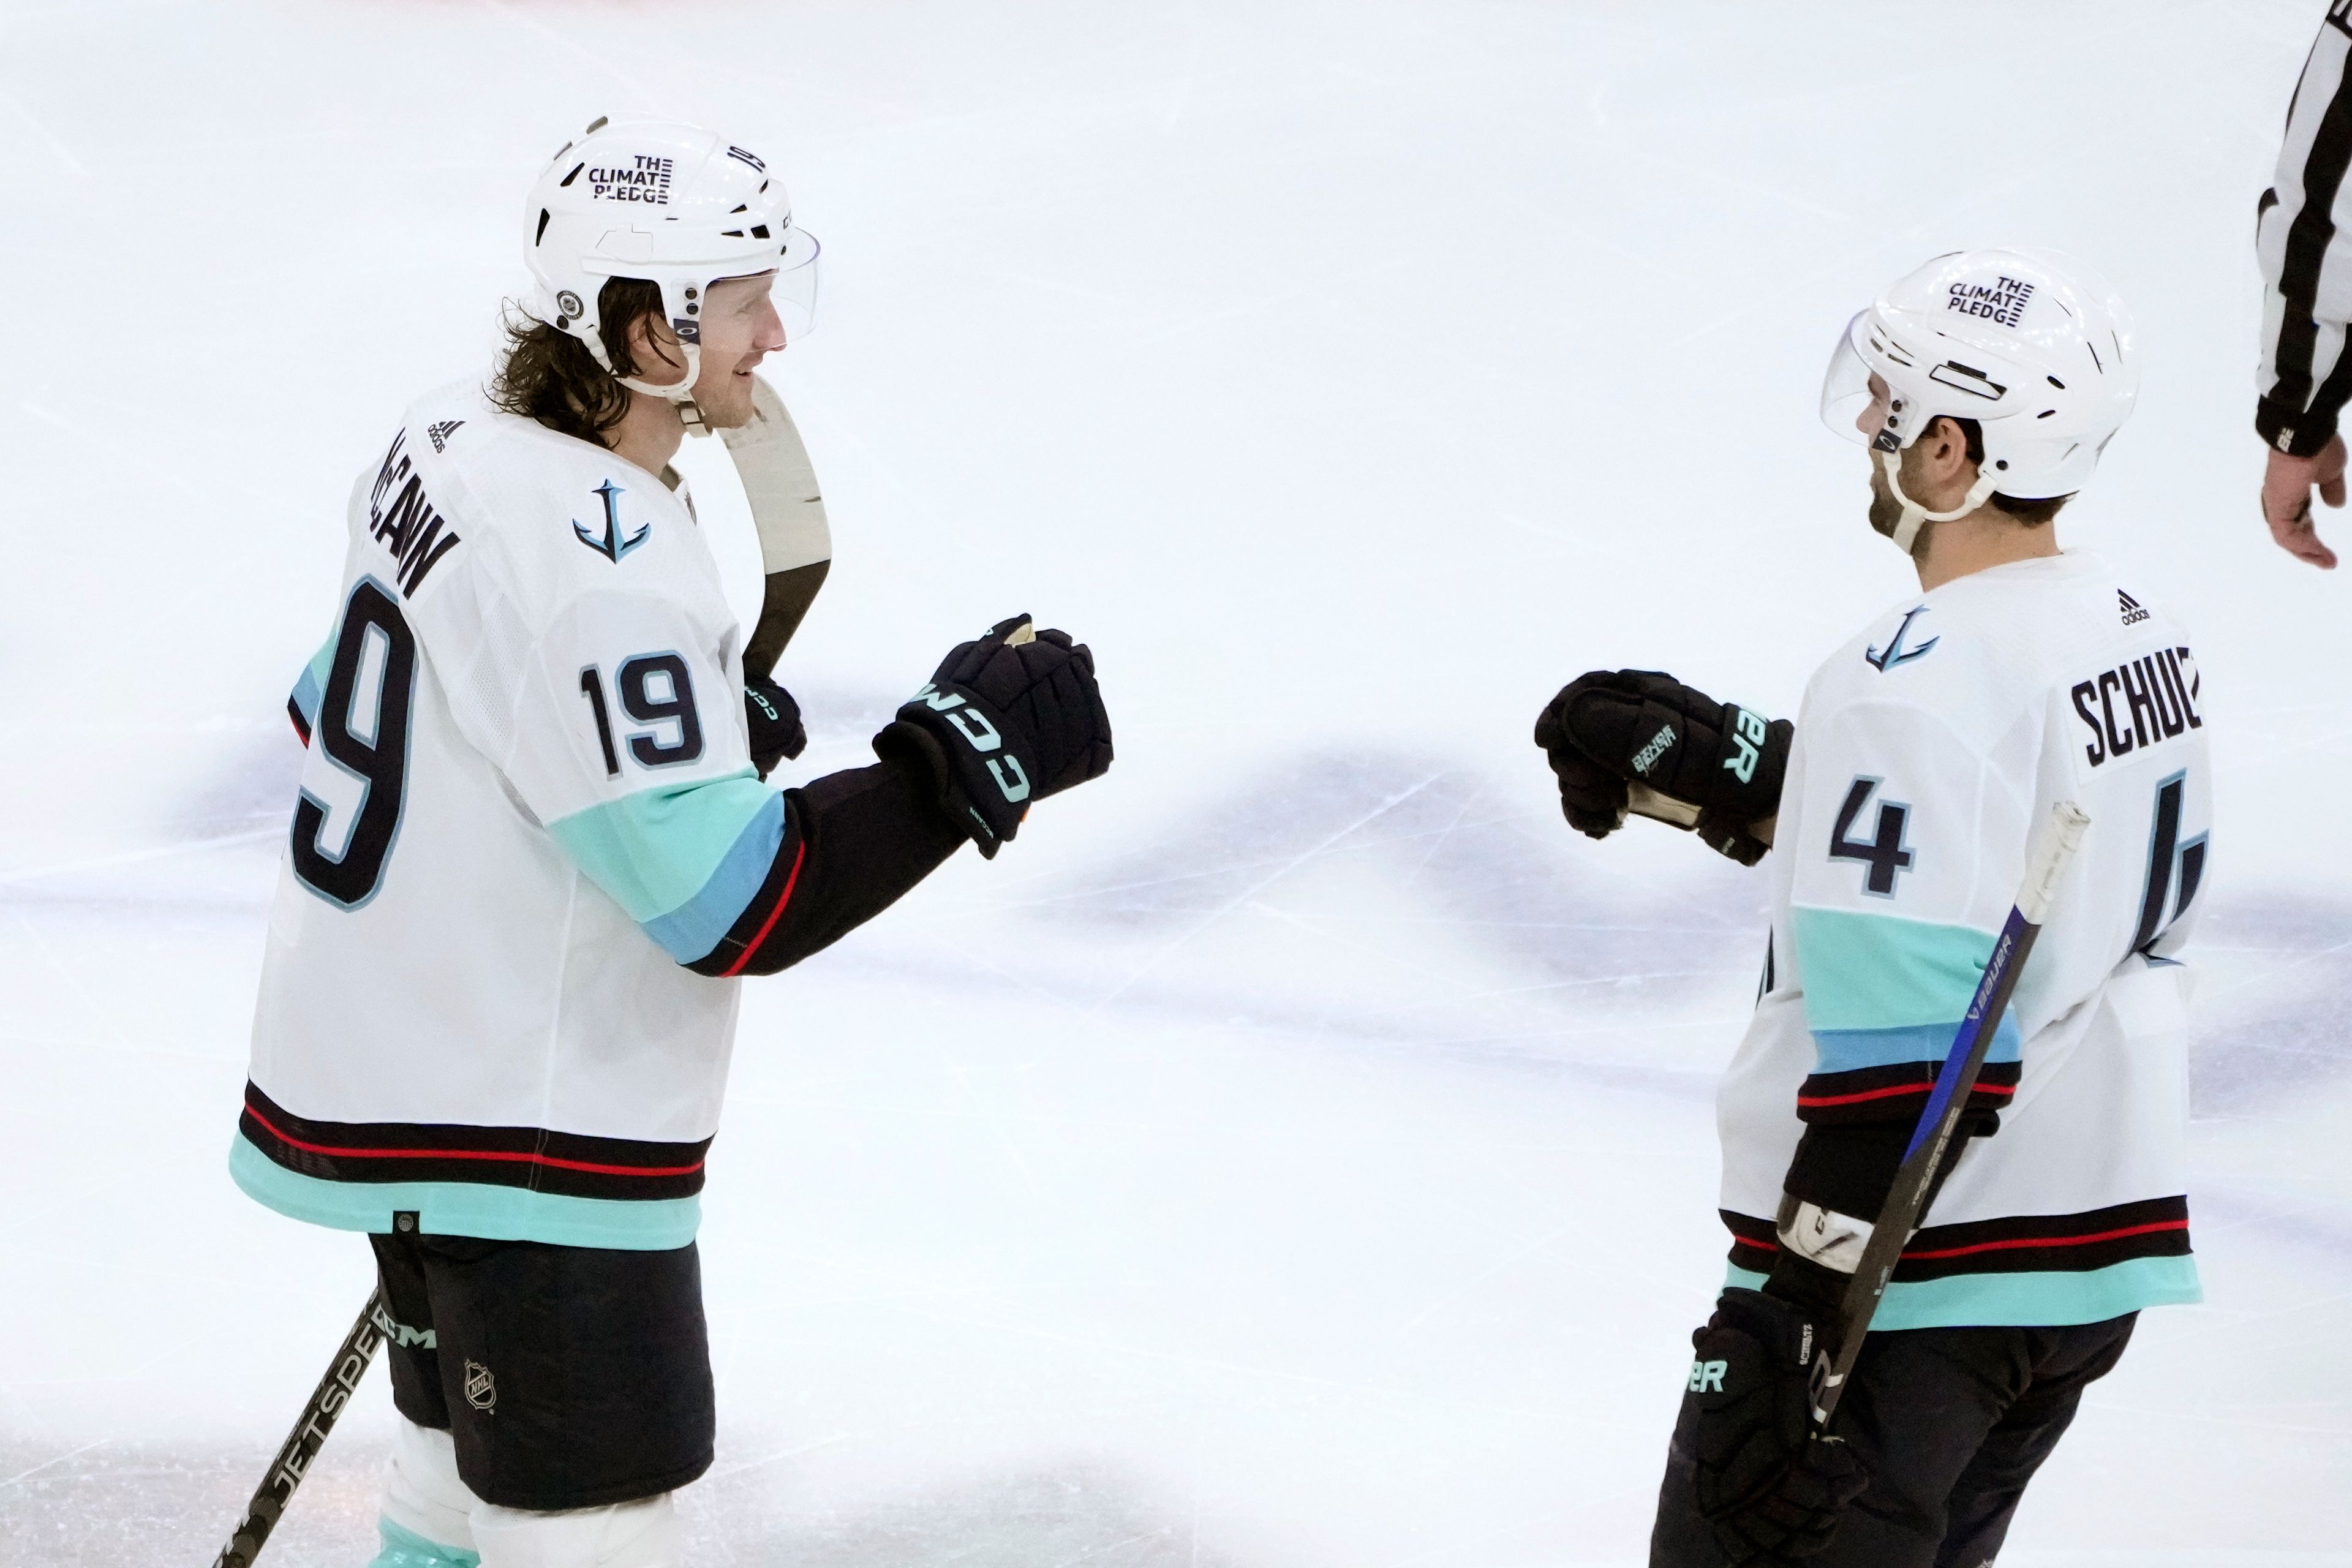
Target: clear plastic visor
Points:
(1851, 405)
(794, 289)
(792, 264)
(792, 283)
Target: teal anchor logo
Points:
(612, 546)
(1897, 654)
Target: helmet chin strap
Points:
(680, 393)
(1906, 527)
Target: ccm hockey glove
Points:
(1006, 720)
(1769, 1487)
(775, 723)
(1656, 736)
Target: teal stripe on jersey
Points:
(406, 1549)
(312, 688)
(1878, 972)
(1847, 1050)
(672, 856)
(465, 1208)
(2034, 1301)
(694, 928)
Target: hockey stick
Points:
(2052, 846)
(328, 1401)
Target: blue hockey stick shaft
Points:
(1906, 1201)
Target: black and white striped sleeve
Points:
(2303, 238)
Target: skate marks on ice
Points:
(1395, 901)
(1391, 900)
(2269, 1009)
(1026, 1519)
(116, 1505)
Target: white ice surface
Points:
(1295, 1151)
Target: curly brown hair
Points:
(547, 374)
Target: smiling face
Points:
(739, 329)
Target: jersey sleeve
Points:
(622, 732)
(1913, 841)
(309, 688)
(627, 747)
(2306, 377)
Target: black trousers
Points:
(568, 1376)
(1952, 1424)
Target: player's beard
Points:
(1885, 511)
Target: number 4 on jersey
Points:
(1884, 853)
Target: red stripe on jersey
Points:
(1810, 1101)
(2015, 1243)
(800, 853)
(509, 1155)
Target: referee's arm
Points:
(2303, 238)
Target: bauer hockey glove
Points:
(1770, 1488)
(1006, 721)
(1648, 729)
(774, 719)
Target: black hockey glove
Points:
(1006, 721)
(1769, 1486)
(1644, 728)
(1593, 798)
(775, 723)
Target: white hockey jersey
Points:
(527, 806)
(1926, 752)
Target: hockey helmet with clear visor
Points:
(672, 204)
(2036, 348)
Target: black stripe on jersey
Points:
(541, 1160)
(1753, 1242)
(1894, 1093)
(2017, 1243)
(301, 725)
(2308, 239)
(2065, 1243)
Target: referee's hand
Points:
(2287, 485)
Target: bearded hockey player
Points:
(534, 854)
(1897, 810)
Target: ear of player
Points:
(1005, 721)
(1617, 739)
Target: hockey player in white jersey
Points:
(534, 851)
(1897, 811)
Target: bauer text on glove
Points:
(1656, 735)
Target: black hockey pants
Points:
(1952, 1423)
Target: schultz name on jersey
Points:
(1926, 752)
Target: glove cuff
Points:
(911, 743)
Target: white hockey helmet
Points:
(2033, 346)
(677, 206)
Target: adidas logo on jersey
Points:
(2132, 613)
(440, 433)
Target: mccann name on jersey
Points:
(529, 854)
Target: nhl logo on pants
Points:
(481, 1391)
